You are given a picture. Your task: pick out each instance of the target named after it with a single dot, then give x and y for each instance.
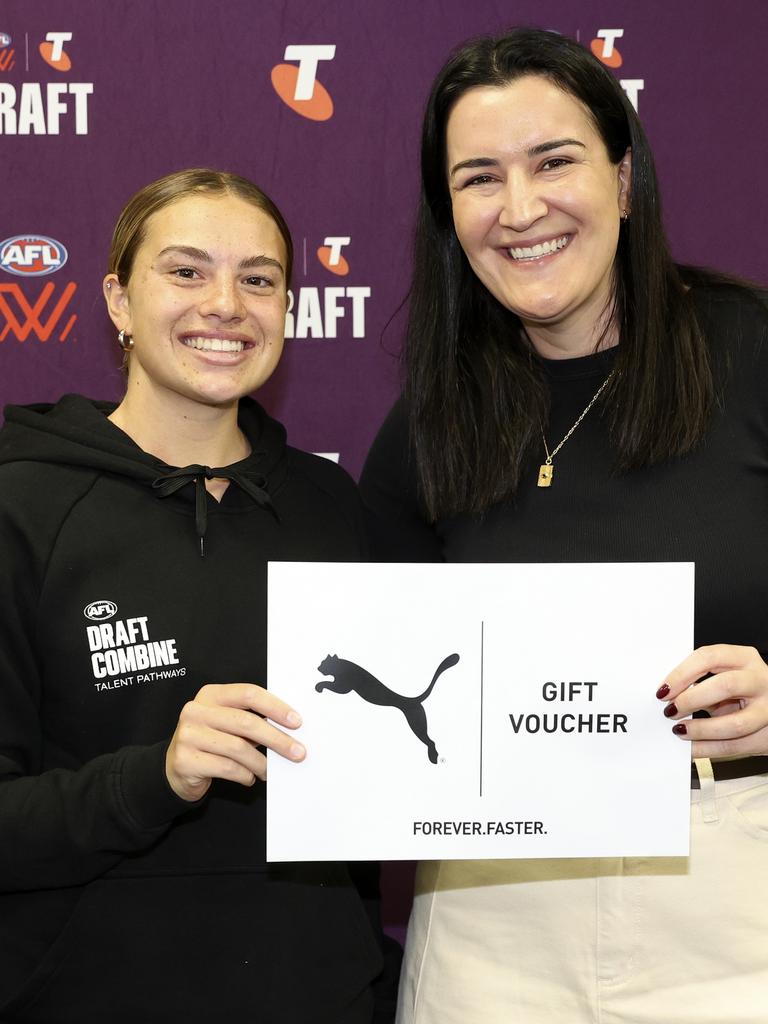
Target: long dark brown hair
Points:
(475, 394)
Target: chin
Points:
(540, 316)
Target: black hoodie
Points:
(118, 900)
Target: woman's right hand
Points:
(219, 733)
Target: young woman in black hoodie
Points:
(133, 716)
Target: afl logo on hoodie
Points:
(32, 255)
(100, 610)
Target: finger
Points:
(725, 708)
(745, 746)
(244, 725)
(190, 767)
(243, 767)
(251, 697)
(746, 722)
(714, 658)
(730, 686)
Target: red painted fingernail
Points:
(680, 729)
(662, 691)
(670, 710)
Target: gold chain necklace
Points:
(546, 469)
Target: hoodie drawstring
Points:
(254, 486)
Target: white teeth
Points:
(214, 344)
(534, 252)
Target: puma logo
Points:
(348, 676)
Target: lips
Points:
(539, 250)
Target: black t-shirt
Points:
(709, 507)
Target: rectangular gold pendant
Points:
(545, 475)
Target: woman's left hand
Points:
(732, 685)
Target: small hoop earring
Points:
(125, 341)
(625, 216)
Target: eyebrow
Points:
(205, 257)
(489, 161)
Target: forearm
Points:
(64, 828)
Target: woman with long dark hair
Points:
(572, 395)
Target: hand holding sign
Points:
(218, 736)
(729, 682)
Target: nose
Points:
(523, 203)
(222, 298)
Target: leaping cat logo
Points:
(348, 676)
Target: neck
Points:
(181, 432)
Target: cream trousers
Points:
(592, 941)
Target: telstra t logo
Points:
(330, 256)
(298, 87)
(604, 47)
(52, 50)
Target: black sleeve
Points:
(59, 827)
(396, 525)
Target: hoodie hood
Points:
(76, 432)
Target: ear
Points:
(118, 306)
(625, 183)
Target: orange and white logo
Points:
(41, 317)
(604, 47)
(6, 53)
(52, 50)
(330, 256)
(298, 87)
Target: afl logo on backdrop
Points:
(348, 676)
(32, 255)
(100, 610)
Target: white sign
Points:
(470, 711)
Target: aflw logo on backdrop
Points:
(7, 55)
(605, 49)
(20, 316)
(299, 87)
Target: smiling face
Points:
(205, 302)
(536, 207)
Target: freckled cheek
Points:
(275, 330)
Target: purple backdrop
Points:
(98, 98)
